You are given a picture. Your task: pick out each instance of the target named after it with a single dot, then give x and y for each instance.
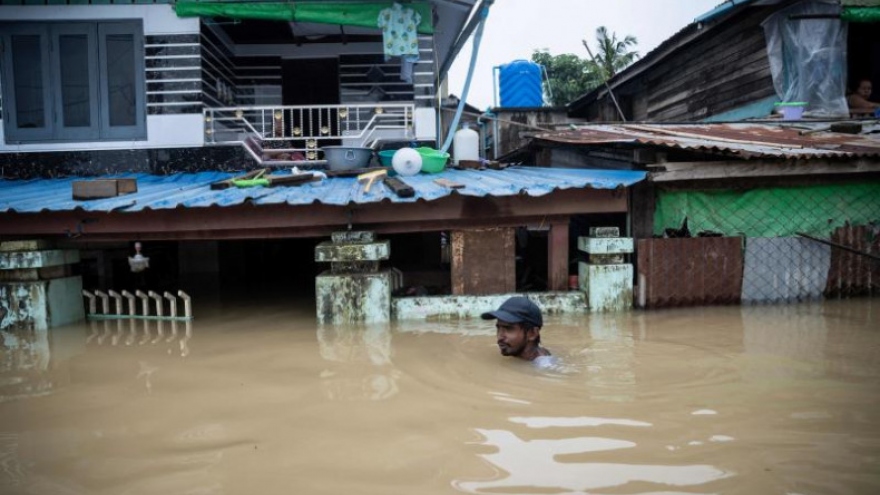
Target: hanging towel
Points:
(406, 67)
(399, 35)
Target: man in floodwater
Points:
(518, 329)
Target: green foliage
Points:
(571, 76)
(612, 55)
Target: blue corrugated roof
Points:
(192, 190)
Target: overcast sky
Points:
(516, 28)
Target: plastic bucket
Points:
(433, 161)
(793, 110)
(385, 157)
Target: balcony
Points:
(294, 135)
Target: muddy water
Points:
(255, 399)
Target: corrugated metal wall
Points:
(852, 274)
(689, 272)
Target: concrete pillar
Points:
(606, 280)
(37, 291)
(354, 290)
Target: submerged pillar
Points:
(37, 290)
(606, 280)
(354, 290)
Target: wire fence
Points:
(761, 245)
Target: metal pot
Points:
(347, 157)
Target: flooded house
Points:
(746, 201)
(203, 131)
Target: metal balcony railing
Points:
(295, 134)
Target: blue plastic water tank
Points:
(520, 84)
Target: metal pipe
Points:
(156, 297)
(187, 304)
(105, 301)
(131, 307)
(463, 36)
(145, 301)
(117, 298)
(93, 305)
(173, 301)
(839, 246)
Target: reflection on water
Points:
(538, 464)
(348, 348)
(257, 399)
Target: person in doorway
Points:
(859, 101)
(518, 329)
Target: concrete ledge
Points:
(37, 259)
(32, 245)
(371, 251)
(439, 307)
(608, 245)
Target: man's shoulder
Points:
(545, 361)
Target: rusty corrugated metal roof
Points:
(742, 140)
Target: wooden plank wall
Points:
(724, 69)
(690, 271)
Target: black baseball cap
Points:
(517, 309)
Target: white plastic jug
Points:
(466, 144)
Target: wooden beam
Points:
(761, 168)
(315, 231)
(557, 256)
(238, 221)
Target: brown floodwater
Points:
(254, 399)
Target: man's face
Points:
(512, 339)
(864, 89)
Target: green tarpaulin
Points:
(769, 212)
(860, 14)
(362, 14)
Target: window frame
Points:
(10, 107)
(55, 131)
(76, 133)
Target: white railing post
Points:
(105, 301)
(117, 298)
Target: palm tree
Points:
(612, 55)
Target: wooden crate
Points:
(103, 188)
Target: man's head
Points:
(518, 327)
(864, 88)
